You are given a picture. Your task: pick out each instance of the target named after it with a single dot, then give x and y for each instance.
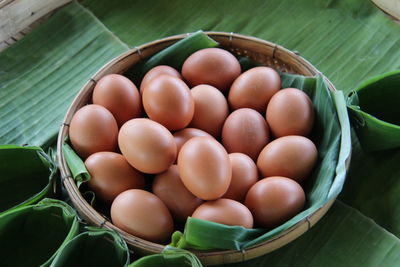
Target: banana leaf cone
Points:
(375, 111)
(27, 176)
(31, 235)
(95, 247)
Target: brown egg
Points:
(205, 167)
(213, 66)
(225, 211)
(244, 175)
(157, 71)
(290, 112)
(147, 145)
(120, 96)
(111, 174)
(290, 156)
(170, 189)
(254, 88)
(93, 129)
(274, 200)
(245, 131)
(211, 109)
(168, 101)
(142, 214)
(184, 135)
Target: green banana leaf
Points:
(42, 73)
(373, 186)
(95, 247)
(375, 109)
(31, 235)
(328, 244)
(170, 257)
(75, 164)
(349, 41)
(27, 176)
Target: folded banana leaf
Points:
(95, 247)
(375, 111)
(332, 138)
(31, 235)
(27, 176)
(75, 164)
(170, 257)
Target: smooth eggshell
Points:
(254, 88)
(274, 200)
(205, 168)
(245, 131)
(290, 112)
(168, 101)
(142, 214)
(211, 109)
(170, 189)
(93, 129)
(120, 96)
(147, 145)
(157, 71)
(182, 136)
(111, 174)
(290, 156)
(244, 175)
(225, 211)
(213, 66)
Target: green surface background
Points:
(349, 41)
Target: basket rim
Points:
(94, 217)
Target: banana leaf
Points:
(42, 73)
(76, 165)
(95, 247)
(31, 235)
(27, 176)
(374, 106)
(170, 257)
(328, 244)
(347, 40)
(373, 186)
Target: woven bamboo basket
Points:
(259, 50)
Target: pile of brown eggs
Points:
(179, 128)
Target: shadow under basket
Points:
(261, 51)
